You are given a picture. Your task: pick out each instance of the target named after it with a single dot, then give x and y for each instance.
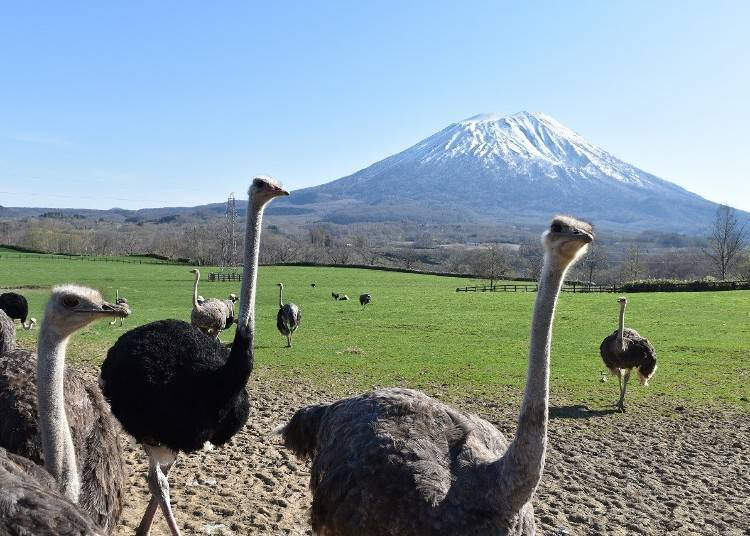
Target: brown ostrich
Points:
(395, 461)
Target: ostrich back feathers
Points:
(30, 503)
(14, 305)
(638, 353)
(7, 333)
(94, 432)
(171, 384)
(400, 452)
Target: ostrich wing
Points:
(30, 503)
(92, 426)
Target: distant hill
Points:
(487, 169)
(516, 169)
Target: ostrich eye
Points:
(556, 227)
(70, 301)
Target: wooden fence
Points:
(526, 287)
(224, 276)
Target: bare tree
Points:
(492, 263)
(632, 266)
(727, 239)
(594, 261)
(533, 255)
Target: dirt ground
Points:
(654, 470)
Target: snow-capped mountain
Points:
(520, 168)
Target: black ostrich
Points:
(17, 308)
(174, 388)
(364, 299)
(624, 350)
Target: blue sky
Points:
(140, 104)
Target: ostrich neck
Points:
(57, 442)
(281, 296)
(621, 329)
(195, 290)
(520, 468)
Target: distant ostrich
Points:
(17, 308)
(229, 304)
(210, 315)
(364, 299)
(343, 297)
(7, 333)
(395, 461)
(312, 285)
(119, 301)
(53, 413)
(334, 295)
(174, 388)
(288, 318)
(32, 504)
(624, 350)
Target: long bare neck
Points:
(246, 319)
(520, 468)
(57, 442)
(195, 290)
(621, 328)
(281, 296)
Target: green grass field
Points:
(419, 332)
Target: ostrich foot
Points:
(620, 407)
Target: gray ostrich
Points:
(624, 350)
(364, 299)
(119, 301)
(209, 316)
(288, 318)
(229, 304)
(395, 461)
(55, 414)
(7, 333)
(32, 504)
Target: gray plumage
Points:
(364, 299)
(395, 461)
(7, 333)
(625, 349)
(31, 505)
(209, 316)
(288, 318)
(92, 428)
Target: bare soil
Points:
(657, 469)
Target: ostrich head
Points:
(264, 188)
(622, 300)
(280, 285)
(71, 308)
(195, 271)
(233, 297)
(566, 240)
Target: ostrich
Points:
(53, 413)
(174, 388)
(17, 308)
(288, 318)
(229, 304)
(7, 333)
(624, 350)
(343, 297)
(395, 461)
(119, 301)
(364, 299)
(32, 504)
(209, 316)
(312, 285)
(334, 295)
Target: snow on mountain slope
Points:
(518, 168)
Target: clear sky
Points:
(141, 104)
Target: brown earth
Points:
(654, 470)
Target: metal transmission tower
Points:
(229, 258)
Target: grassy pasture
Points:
(419, 332)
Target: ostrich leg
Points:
(160, 462)
(625, 381)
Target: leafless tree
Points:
(727, 240)
(594, 261)
(492, 263)
(632, 266)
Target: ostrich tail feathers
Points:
(300, 434)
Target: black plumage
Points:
(364, 299)
(639, 353)
(30, 504)
(15, 306)
(171, 384)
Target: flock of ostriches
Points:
(388, 462)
